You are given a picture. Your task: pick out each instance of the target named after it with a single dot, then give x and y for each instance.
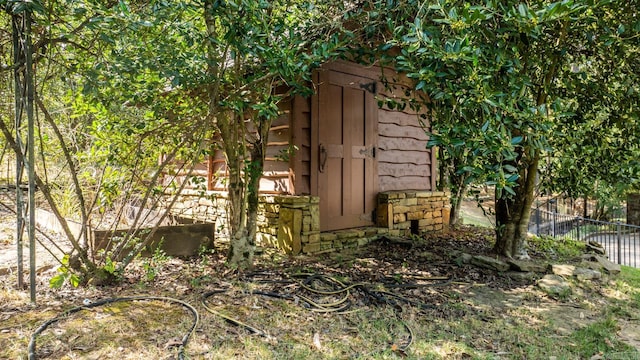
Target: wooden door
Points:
(344, 149)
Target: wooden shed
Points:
(347, 153)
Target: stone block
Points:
(403, 225)
(289, 230)
(290, 200)
(314, 213)
(384, 216)
(324, 245)
(415, 215)
(446, 215)
(363, 241)
(368, 232)
(311, 248)
(426, 222)
(427, 214)
(394, 232)
(314, 238)
(328, 236)
(409, 202)
(400, 209)
(437, 213)
(350, 234)
(398, 218)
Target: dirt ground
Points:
(430, 266)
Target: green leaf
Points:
(516, 140)
(57, 281)
(74, 280)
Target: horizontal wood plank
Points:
(402, 170)
(389, 183)
(404, 157)
(401, 143)
(399, 118)
(397, 131)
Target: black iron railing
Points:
(621, 241)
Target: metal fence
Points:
(621, 241)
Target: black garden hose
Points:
(185, 338)
(340, 306)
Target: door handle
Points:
(322, 157)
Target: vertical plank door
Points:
(346, 146)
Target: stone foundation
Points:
(292, 223)
(413, 212)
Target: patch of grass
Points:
(599, 338)
(556, 249)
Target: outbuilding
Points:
(342, 166)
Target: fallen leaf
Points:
(316, 341)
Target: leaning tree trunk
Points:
(513, 213)
(242, 247)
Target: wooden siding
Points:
(301, 139)
(404, 162)
(277, 167)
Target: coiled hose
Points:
(185, 338)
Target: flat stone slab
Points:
(612, 268)
(602, 263)
(521, 276)
(527, 266)
(563, 269)
(489, 263)
(554, 285)
(587, 274)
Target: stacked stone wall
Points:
(407, 212)
(291, 223)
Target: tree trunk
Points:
(513, 213)
(243, 242)
(456, 203)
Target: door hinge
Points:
(368, 152)
(371, 87)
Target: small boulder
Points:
(563, 269)
(489, 263)
(609, 266)
(463, 258)
(585, 274)
(595, 248)
(554, 285)
(521, 276)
